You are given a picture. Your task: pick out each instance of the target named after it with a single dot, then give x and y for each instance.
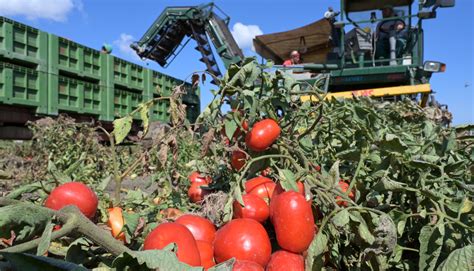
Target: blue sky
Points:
(448, 39)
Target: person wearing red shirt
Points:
(294, 59)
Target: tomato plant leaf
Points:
(315, 258)
(145, 116)
(57, 175)
(27, 188)
(287, 180)
(225, 266)
(431, 242)
(334, 176)
(341, 219)
(230, 128)
(365, 234)
(79, 251)
(122, 127)
(151, 259)
(131, 221)
(460, 260)
(45, 240)
(30, 223)
(465, 207)
(392, 143)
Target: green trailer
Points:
(42, 74)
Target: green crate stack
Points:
(125, 101)
(53, 75)
(23, 45)
(76, 96)
(128, 74)
(70, 58)
(23, 86)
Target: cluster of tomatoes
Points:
(267, 213)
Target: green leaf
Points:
(350, 154)
(460, 260)
(341, 219)
(393, 143)
(45, 240)
(144, 115)
(131, 221)
(315, 258)
(287, 180)
(386, 184)
(401, 226)
(431, 242)
(122, 127)
(465, 207)
(23, 261)
(238, 195)
(79, 251)
(30, 223)
(224, 266)
(365, 234)
(334, 175)
(58, 175)
(27, 188)
(104, 183)
(230, 128)
(151, 259)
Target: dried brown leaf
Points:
(206, 141)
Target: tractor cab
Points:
(370, 48)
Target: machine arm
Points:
(164, 39)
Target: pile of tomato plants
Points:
(323, 185)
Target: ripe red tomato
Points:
(116, 222)
(196, 177)
(73, 193)
(167, 233)
(238, 160)
(196, 193)
(260, 186)
(285, 261)
(246, 266)
(279, 189)
(244, 239)
(206, 252)
(263, 134)
(339, 200)
(255, 208)
(293, 221)
(201, 228)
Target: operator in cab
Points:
(387, 28)
(295, 59)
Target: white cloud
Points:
(56, 10)
(244, 34)
(123, 44)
